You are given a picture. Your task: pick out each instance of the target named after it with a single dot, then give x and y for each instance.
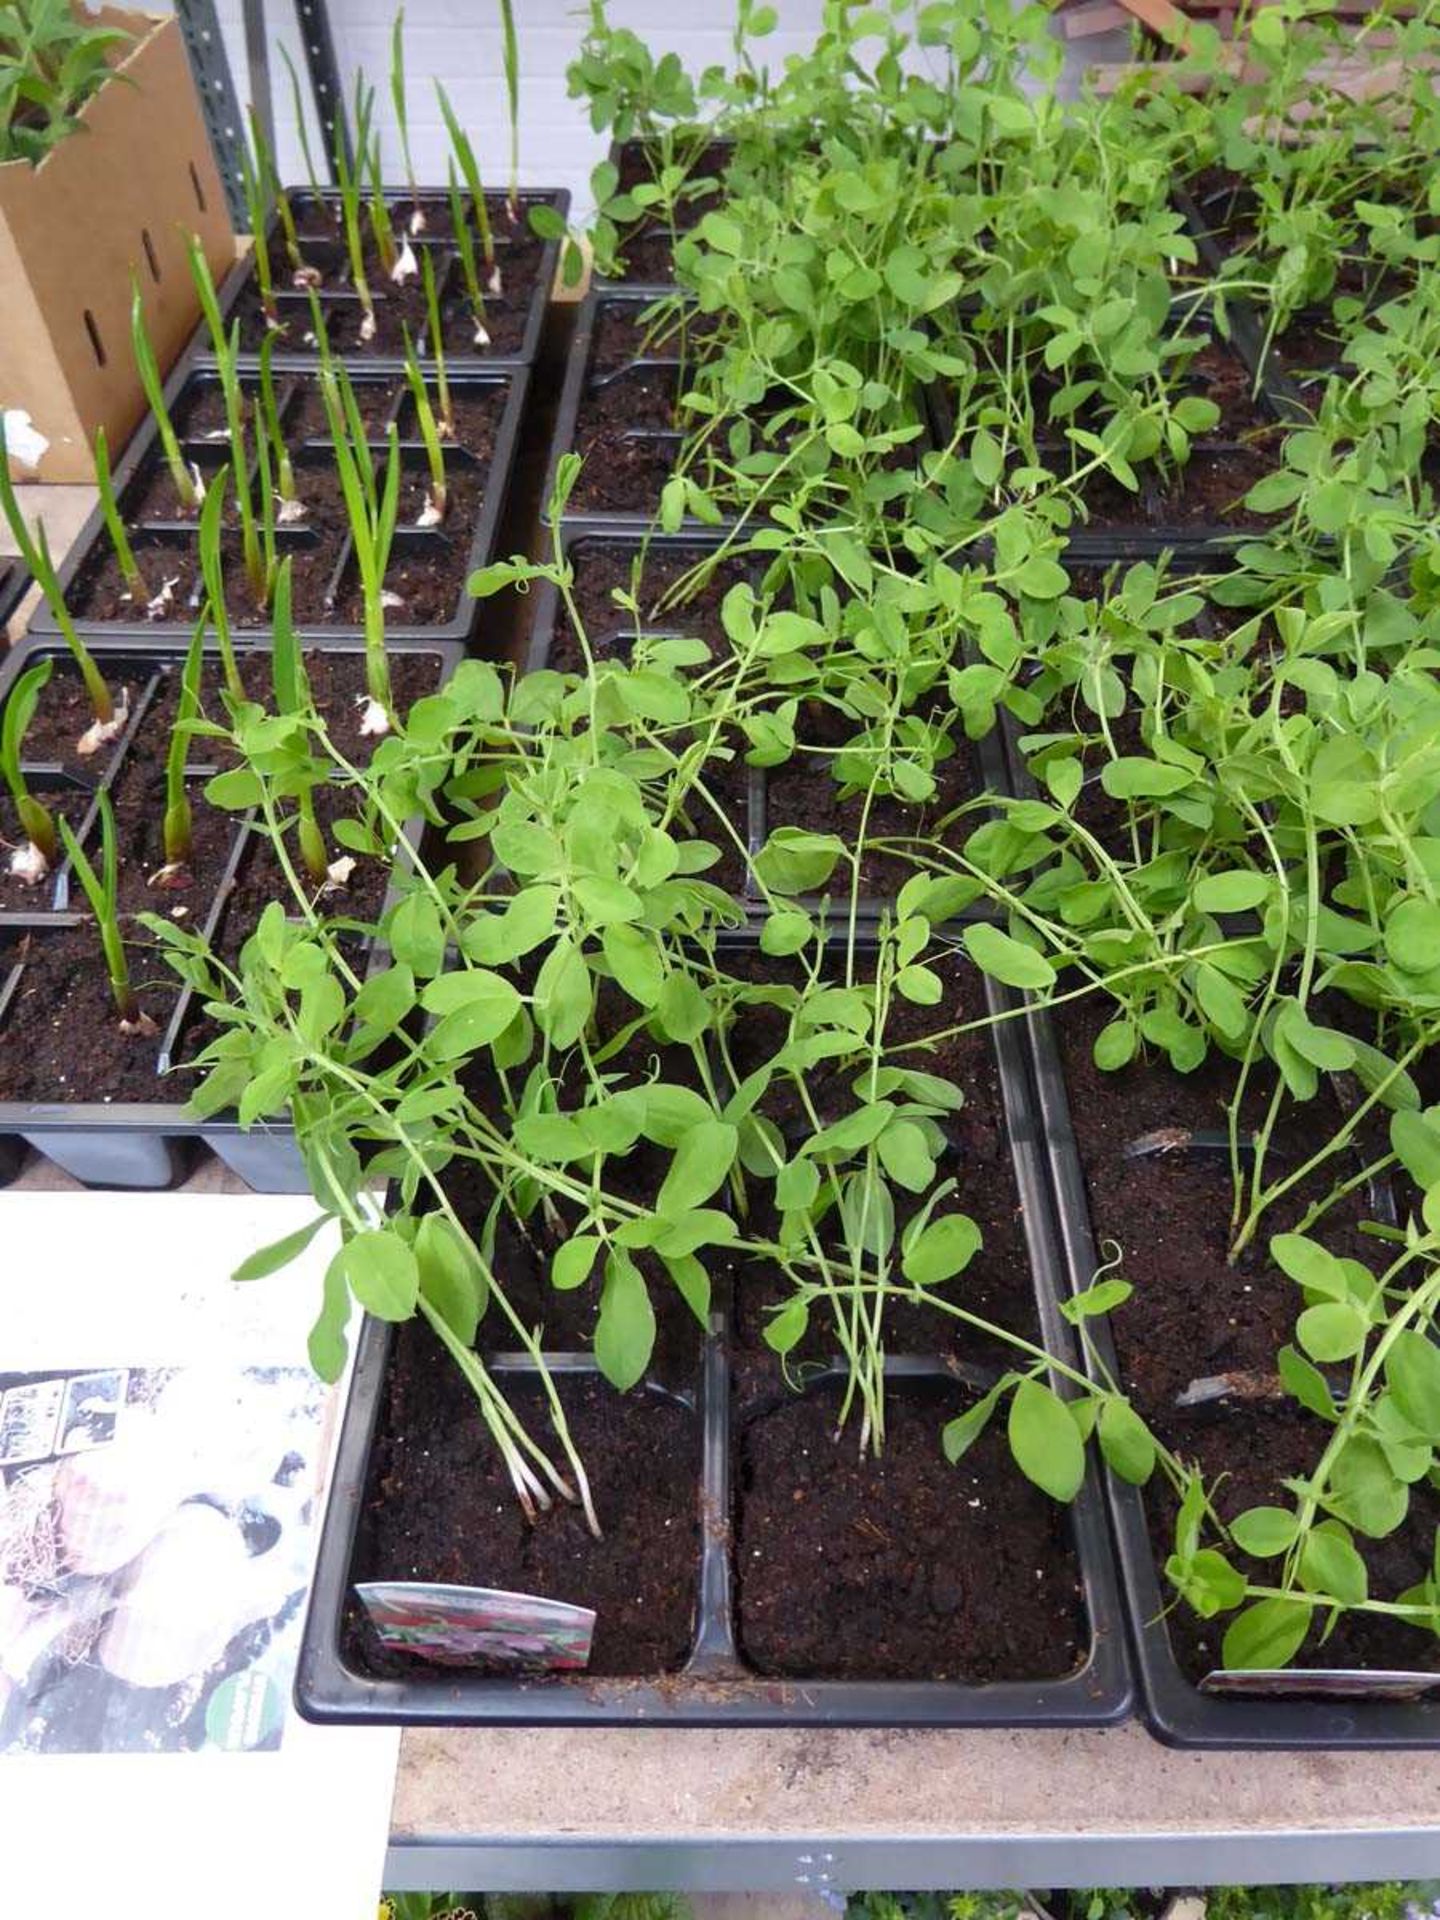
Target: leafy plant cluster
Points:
(52, 61)
(668, 1060)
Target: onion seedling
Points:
(292, 507)
(433, 512)
(402, 118)
(373, 514)
(465, 247)
(470, 170)
(258, 214)
(34, 550)
(34, 860)
(130, 573)
(257, 551)
(212, 573)
(511, 55)
(437, 353)
(275, 195)
(292, 702)
(397, 264)
(102, 891)
(179, 823)
(188, 484)
(348, 183)
(311, 277)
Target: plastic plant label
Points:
(479, 1626)
(1328, 1683)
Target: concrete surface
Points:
(64, 509)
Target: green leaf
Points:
(1334, 1331)
(633, 958)
(1266, 1635)
(786, 931)
(381, 1272)
(1330, 1565)
(941, 1249)
(1237, 891)
(1126, 1442)
(572, 1262)
(1412, 1373)
(702, 1162)
(449, 1277)
(786, 1329)
(279, 1253)
(1264, 1532)
(1042, 579)
(326, 1343)
(1314, 1266)
(1045, 1441)
(1133, 777)
(417, 939)
(1412, 936)
(625, 1331)
(1008, 960)
(905, 1155)
(959, 1435)
(794, 861)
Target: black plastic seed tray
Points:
(13, 582)
(1177, 1710)
(1155, 529)
(514, 325)
(768, 793)
(166, 542)
(598, 409)
(144, 1144)
(716, 1686)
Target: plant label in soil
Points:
(1337, 1683)
(479, 1626)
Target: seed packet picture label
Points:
(29, 1415)
(155, 1529)
(479, 1626)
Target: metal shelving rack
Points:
(222, 106)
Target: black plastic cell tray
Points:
(715, 1688)
(1178, 1712)
(581, 380)
(580, 536)
(1149, 534)
(294, 304)
(143, 457)
(142, 1144)
(13, 582)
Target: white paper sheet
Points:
(127, 1298)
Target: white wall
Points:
(459, 42)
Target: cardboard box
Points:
(120, 194)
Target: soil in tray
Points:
(624, 470)
(60, 1039)
(996, 1286)
(639, 163)
(438, 1505)
(507, 314)
(428, 569)
(1209, 489)
(199, 409)
(151, 495)
(602, 568)
(1194, 1315)
(18, 896)
(395, 313)
(306, 418)
(853, 1568)
(477, 411)
(98, 591)
(623, 333)
(63, 715)
(804, 793)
